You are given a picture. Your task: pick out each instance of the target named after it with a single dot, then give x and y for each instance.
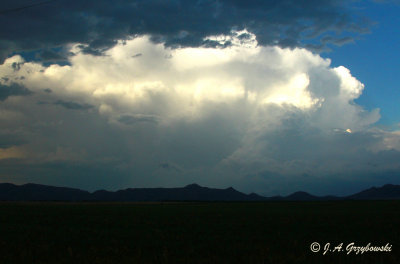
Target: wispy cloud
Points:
(73, 105)
(13, 89)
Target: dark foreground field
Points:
(270, 232)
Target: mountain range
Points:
(191, 192)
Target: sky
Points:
(270, 97)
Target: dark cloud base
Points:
(78, 175)
(93, 177)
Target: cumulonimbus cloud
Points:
(245, 115)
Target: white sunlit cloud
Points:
(217, 114)
(264, 74)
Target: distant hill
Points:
(38, 192)
(192, 192)
(300, 196)
(386, 192)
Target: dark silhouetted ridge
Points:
(301, 196)
(386, 192)
(191, 192)
(38, 192)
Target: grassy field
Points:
(269, 232)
